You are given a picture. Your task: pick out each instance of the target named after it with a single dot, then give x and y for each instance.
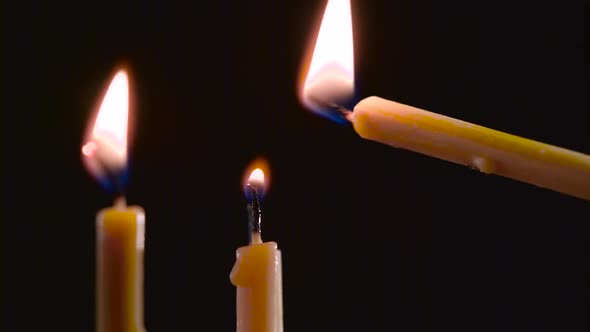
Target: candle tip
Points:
(120, 203)
(256, 238)
(337, 111)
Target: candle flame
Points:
(330, 74)
(105, 149)
(256, 177)
(257, 174)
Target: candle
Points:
(119, 229)
(329, 82)
(257, 271)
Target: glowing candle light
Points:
(257, 271)
(120, 228)
(329, 82)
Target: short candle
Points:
(257, 272)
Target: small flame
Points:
(257, 174)
(256, 177)
(105, 149)
(330, 78)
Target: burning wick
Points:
(254, 186)
(257, 273)
(329, 83)
(338, 111)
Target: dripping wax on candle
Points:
(329, 82)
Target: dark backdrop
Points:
(373, 238)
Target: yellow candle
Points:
(119, 265)
(257, 276)
(119, 229)
(487, 150)
(257, 272)
(328, 80)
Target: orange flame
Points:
(258, 172)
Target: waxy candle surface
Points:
(120, 248)
(461, 142)
(257, 276)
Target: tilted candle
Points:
(257, 272)
(487, 150)
(119, 229)
(329, 80)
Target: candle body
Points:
(258, 277)
(487, 150)
(119, 270)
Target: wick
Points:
(120, 203)
(347, 115)
(254, 215)
(256, 238)
(343, 111)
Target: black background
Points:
(373, 238)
